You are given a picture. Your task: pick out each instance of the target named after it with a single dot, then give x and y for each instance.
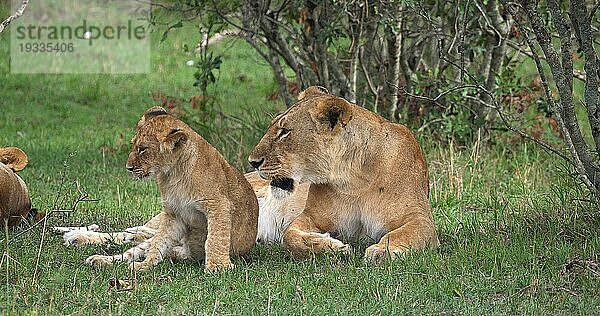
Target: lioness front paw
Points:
(327, 243)
(141, 266)
(99, 261)
(213, 267)
(340, 247)
(378, 254)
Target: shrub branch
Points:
(15, 15)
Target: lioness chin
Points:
(367, 177)
(210, 211)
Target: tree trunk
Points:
(562, 73)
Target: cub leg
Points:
(218, 241)
(303, 238)
(416, 234)
(195, 242)
(160, 246)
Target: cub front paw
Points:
(214, 267)
(99, 261)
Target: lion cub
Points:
(367, 177)
(14, 196)
(209, 207)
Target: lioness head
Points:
(14, 158)
(302, 142)
(157, 143)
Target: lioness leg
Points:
(136, 253)
(307, 234)
(62, 229)
(134, 235)
(417, 233)
(303, 238)
(80, 236)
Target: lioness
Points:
(209, 208)
(367, 177)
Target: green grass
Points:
(517, 238)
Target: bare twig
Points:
(591, 94)
(488, 21)
(83, 197)
(461, 50)
(587, 168)
(15, 15)
(593, 11)
(366, 73)
(505, 120)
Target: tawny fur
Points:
(14, 196)
(209, 209)
(367, 177)
(277, 209)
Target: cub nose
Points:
(256, 163)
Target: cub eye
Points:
(283, 133)
(141, 149)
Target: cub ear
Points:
(312, 91)
(150, 113)
(333, 112)
(14, 158)
(175, 139)
(155, 111)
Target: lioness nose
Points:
(256, 163)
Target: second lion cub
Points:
(209, 206)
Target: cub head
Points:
(14, 158)
(157, 144)
(302, 142)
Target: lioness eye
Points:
(283, 132)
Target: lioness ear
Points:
(14, 158)
(334, 112)
(175, 139)
(312, 91)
